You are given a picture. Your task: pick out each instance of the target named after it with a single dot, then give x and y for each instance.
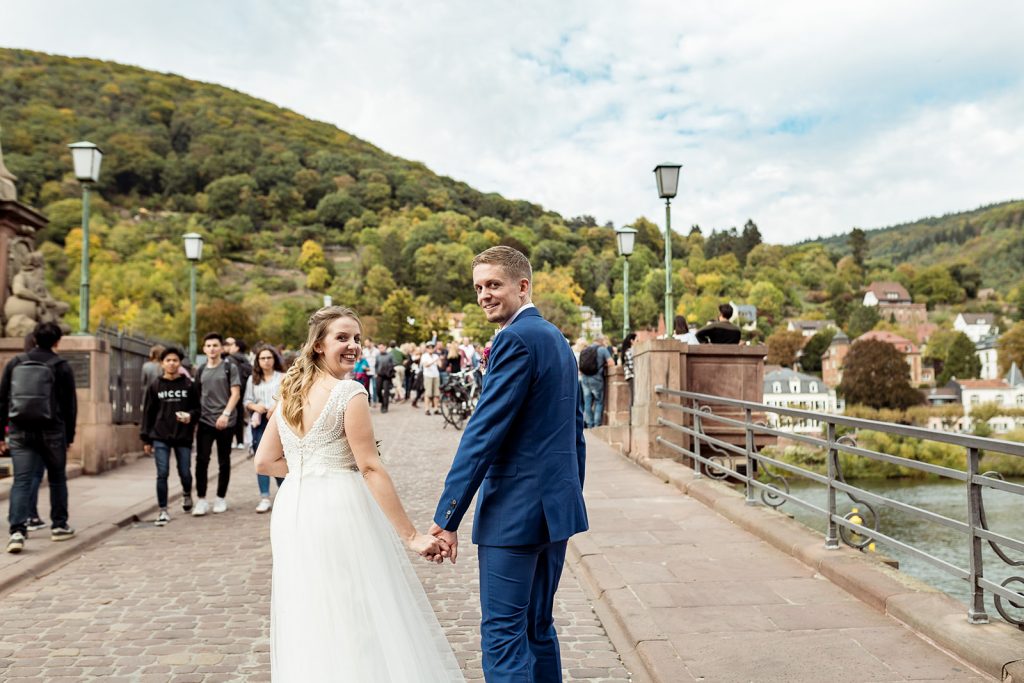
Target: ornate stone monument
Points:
(24, 296)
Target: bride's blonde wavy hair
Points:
(306, 368)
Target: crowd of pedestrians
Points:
(227, 401)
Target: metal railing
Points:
(127, 355)
(744, 463)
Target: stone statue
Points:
(30, 302)
(8, 191)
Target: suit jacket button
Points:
(448, 514)
(454, 503)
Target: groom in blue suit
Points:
(524, 450)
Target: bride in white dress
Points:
(346, 604)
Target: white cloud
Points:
(808, 118)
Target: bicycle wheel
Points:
(448, 410)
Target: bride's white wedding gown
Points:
(346, 604)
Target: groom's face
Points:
(498, 293)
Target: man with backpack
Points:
(38, 408)
(219, 390)
(235, 351)
(385, 371)
(593, 361)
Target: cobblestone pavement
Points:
(190, 602)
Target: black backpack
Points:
(33, 399)
(588, 361)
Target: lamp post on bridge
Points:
(668, 181)
(193, 252)
(626, 237)
(86, 158)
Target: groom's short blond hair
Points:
(512, 261)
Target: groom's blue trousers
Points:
(517, 597)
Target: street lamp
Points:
(86, 158)
(193, 252)
(668, 181)
(626, 236)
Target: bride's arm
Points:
(359, 430)
(270, 455)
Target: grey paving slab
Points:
(709, 601)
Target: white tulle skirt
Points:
(346, 603)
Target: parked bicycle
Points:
(459, 394)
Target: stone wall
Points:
(99, 444)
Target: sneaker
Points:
(264, 505)
(201, 508)
(61, 533)
(35, 524)
(162, 518)
(17, 543)
(220, 505)
(186, 502)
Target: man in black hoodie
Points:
(169, 416)
(36, 439)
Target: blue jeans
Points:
(263, 480)
(37, 481)
(162, 458)
(44, 448)
(593, 400)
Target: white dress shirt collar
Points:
(513, 318)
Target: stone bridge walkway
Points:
(684, 593)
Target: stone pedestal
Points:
(717, 369)
(656, 362)
(99, 444)
(616, 429)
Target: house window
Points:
(1020, 399)
(814, 387)
(974, 400)
(776, 387)
(794, 387)
(999, 399)
(892, 295)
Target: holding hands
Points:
(435, 545)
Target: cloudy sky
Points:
(808, 117)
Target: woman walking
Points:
(261, 392)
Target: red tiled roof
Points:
(880, 289)
(890, 338)
(983, 383)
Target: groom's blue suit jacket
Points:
(523, 447)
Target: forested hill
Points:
(990, 237)
(292, 209)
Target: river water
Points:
(1004, 511)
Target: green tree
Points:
(226, 317)
(862, 319)
(230, 195)
(961, 361)
(444, 272)
(875, 374)
(768, 298)
(858, 242)
(395, 313)
(337, 208)
(935, 285)
(810, 360)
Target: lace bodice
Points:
(324, 448)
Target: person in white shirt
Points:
(430, 369)
(683, 332)
(261, 392)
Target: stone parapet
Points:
(99, 443)
(718, 369)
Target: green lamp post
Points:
(193, 252)
(86, 158)
(668, 181)
(626, 237)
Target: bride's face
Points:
(340, 346)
